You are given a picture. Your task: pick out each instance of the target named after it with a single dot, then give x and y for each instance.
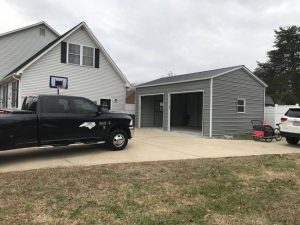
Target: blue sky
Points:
(149, 39)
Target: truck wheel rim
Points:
(119, 140)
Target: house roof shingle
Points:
(208, 74)
(51, 45)
(40, 52)
(28, 27)
(189, 77)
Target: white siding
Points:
(92, 83)
(16, 48)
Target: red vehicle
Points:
(265, 132)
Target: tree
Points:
(282, 70)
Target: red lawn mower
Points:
(265, 132)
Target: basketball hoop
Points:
(58, 83)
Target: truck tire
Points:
(292, 140)
(117, 140)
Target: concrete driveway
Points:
(147, 145)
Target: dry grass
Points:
(246, 190)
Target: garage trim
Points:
(211, 106)
(140, 104)
(182, 92)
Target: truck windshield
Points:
(30, 104)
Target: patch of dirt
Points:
(218, 219)
(297, 160)
(272, 175)
(246, 177)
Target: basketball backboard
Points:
(58, 82)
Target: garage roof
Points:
(204, 75)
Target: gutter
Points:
(15, 78)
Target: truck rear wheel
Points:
(118, 140)
(292, 140)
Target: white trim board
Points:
(264, 103)
(211, 107)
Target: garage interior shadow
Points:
(21, 155)
(187, 112)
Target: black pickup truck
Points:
(62, 120)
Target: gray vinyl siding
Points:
(150, 118)
(226, 90)
(92, 83)
(17, 47)
(147, 115)
(203, 85)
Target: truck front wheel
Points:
(292, 140)
(118, 140)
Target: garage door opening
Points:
(152, 111)
(186, 112)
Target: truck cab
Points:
(62, 120)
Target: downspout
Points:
(211, 107)
(264, 106)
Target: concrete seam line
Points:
(170, 149)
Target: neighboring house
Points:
(31, 55)
(130, 102)
(130, 96)
(269, 101)
(215, 102)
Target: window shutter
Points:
(63, 57)
(97, 51)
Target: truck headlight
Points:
(131, 123)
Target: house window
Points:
(88, 56)
(80, 55)
(74, 54)
(15, 94)
(241, 105)
(105, 104)
(42, 32)
(4, 96)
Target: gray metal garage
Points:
(214, 102)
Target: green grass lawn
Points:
(245, 190)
